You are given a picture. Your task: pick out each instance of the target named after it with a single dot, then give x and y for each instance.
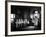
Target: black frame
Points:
(6, 32)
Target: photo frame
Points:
(24, 18)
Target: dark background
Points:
(20, 11)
